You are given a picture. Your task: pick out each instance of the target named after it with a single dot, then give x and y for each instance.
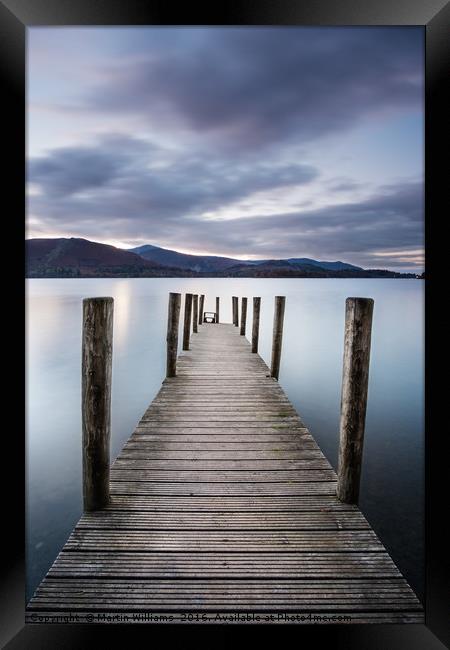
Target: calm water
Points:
(392, 477)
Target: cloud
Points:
(169, 136)
(250, 88)
(68, 170)
(144, 195)
(136, 179)
(390, 220)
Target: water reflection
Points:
(122, 313)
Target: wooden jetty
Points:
(223, 508)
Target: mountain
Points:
(286, 269)
(77, 257)
(198, 263)
(81, 258)
(330, 266)
(210, 263)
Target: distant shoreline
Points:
(80, 258)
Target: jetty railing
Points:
(97, 369)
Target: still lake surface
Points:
(392, 482)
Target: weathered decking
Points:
(222, 502)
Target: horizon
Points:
(250, 143)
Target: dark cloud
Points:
(249, 88)
(69, 170)
(90, 169)
(390, 221)
(346, 185)
(231, 108)
(136, 179)
(161, 205)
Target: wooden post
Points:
(255, 328)
(235, 311)
(202, 306)
(96, 399)
(243, 315)
(355, 380)
(173, 320)
(217, 310)
(195, 314)
(187, 320)
(278, 319)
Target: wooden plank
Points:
(337, 520)
(222, 502)
(233, 565)
(211, 412)
(354, 595)
(220, 465)
(230, 427)
(210, 540)
(233, 435)
(251, 445)
(219, 428)
(217, 489)
(218, 451)
(222, 476)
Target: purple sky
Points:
(246, 142)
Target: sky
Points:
(247, 142)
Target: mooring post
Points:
(235, 311)
(195, 314)
(217, 310)
(187, 320)
(243, 315)
(278, 319)
(173, 321)
(255, 327)
(202, 304)
(96, 373)
(355, 380)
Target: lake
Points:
(392, 482)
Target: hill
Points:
(198, 263)
(76, 257)
(80, 258)
(211, 263)
(329, 266)
(285, 269)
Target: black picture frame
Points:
(433, 15)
